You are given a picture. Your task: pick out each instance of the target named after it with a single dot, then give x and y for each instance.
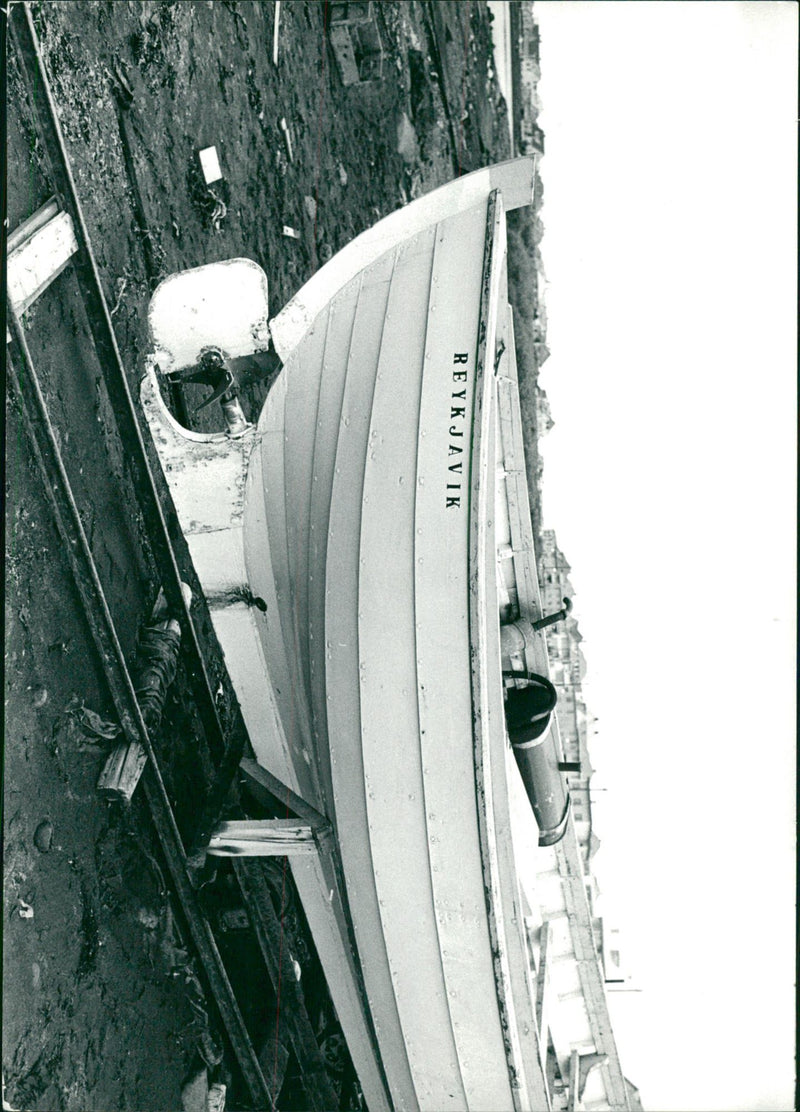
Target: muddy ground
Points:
(101, 1004)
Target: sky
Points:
(670, 176)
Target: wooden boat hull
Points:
(359, 491)
(365, 512)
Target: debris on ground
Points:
(120, 290)
(43, 836)
(407, 142)
(154, 669)
(219, 212)
(287, 136)
(39, 695)
(276, 32)
(93, 725)
(209, 164)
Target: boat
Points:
(366, 553)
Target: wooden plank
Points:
(283, 831)
(25, 230)
(269, 790)
(39, 260)
(226, 846)
(267, 561)
(342, 671)
(441, 597)
(390, 728)
(300, 420)
(340, 315)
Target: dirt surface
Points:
(201, 75)
(102, 1007)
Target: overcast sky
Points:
(670, 251)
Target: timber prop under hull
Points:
(366, 510)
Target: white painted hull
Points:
(369, 523)
(357, 528)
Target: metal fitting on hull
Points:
(528, 713)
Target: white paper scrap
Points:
(209, 163)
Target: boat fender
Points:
(528, 709)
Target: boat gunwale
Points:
(522, 1071)
(514, 178)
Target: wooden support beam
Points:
(262, 838)
(274, 794)
(23, 232)
(39, 258)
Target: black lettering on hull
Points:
(458, 417)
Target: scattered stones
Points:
(342, 174)
(407, 142)
(310, 206)
(39, 696)
(148, 919)
(43, 836)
